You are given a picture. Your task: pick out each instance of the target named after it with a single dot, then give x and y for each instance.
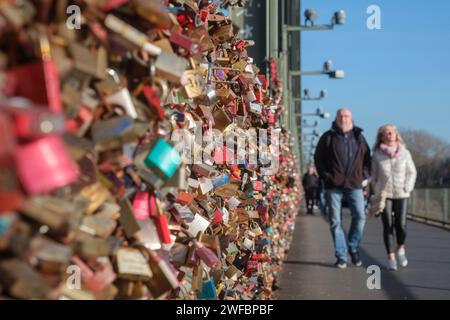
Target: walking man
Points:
(343, 161)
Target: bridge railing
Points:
(431, 205)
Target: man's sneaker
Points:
(356, 260)
(401, 256)
(341, 264)
(392, 265)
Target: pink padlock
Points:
(45, 165)
(258, 185)
(141, 206)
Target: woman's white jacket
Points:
(395, 177)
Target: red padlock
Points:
(217, 217)
(163, 228)
(153, 101)
(112, 4)
(187, 43)
(44, 89)
(11, 198)
(160, 219)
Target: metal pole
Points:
(445, 214)
(300, 129)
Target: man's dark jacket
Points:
(330, 165)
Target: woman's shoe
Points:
(392, 265)
(401, 255)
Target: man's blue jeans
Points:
(356, 204)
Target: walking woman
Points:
(393, 179)
(310, 183)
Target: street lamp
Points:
(305, 124)
(315, 133)
(311, 16)
(327, 70)
(319, 113)
(307, 96)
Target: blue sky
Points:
(399, 74)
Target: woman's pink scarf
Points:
(391, 151)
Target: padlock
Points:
(23, 282)
(35, 122)
(148, 235)
(197, 279)
(101, 224)
(179, 253)
(164, 157)
(207, 256)
(252, 214)
(51, 165)
(49, 256)
(44, 89)
(162, 228)
(170, 67)
(8, 224)
(204, 112)
(11, 197)
(199, 224)
(127, 218)
(205, 170)
(252, 266)
(256, 229)
(89, 247)
(92, 63)
(131, 34)
(132, 264)
(220, 181)
(102, 276)
(153, 101)
(115, 93)
(222, 119)
(206, 185)
(164, 279)
(185, 198)
(208, 289)
(154, 12)
(223, 33)
(255, 108)
(52, 212)
(96, 194)
(192, 81)
(17, 16)
(141, 206)
(186, 43)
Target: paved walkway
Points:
(308, 272)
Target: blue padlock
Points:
(220, 181)
(5, 224)
(208, 291)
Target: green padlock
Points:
(164, 157)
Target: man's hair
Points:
(342, 109)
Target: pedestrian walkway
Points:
(309, 273)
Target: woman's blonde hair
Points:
(379, 140)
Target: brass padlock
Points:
(193, 83)
(132, 264)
